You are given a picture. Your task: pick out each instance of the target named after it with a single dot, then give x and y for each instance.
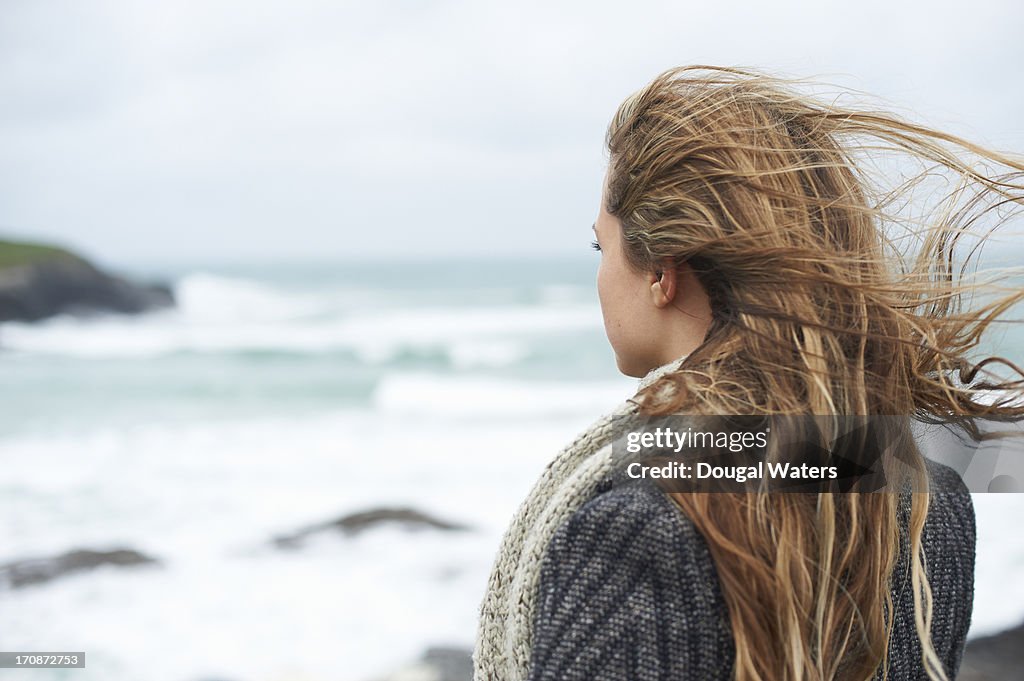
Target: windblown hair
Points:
(774, 198)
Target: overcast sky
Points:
(150, 132)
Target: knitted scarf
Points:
(505, 629)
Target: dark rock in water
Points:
(359, 522)
(438, 664)
(37, 570)
(40, 281)
(451, 664)
(1000, 656)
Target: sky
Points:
(256, 131)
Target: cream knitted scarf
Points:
(505, 630)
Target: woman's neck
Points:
(657, 372)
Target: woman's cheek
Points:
(602, 293)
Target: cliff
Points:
(39, 281)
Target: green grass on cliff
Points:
(20, 253)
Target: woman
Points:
(751, 265)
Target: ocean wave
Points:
(203, 297)
(423, 394)
(227, 315)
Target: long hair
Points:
(831, 293)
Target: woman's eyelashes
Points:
(596, 246)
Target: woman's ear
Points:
(664, 284)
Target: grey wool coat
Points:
(601, 577)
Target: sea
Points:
(276, 397)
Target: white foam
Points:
(486, 354)
(214, 299)
(999, 564)
(206, 498)
(476, 396)
(221, 314)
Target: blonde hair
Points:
(767, 193)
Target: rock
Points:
(452, 664)
(38, 570)
(1000, 656)
(364, 520)
(38, 282)
(438, 664)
